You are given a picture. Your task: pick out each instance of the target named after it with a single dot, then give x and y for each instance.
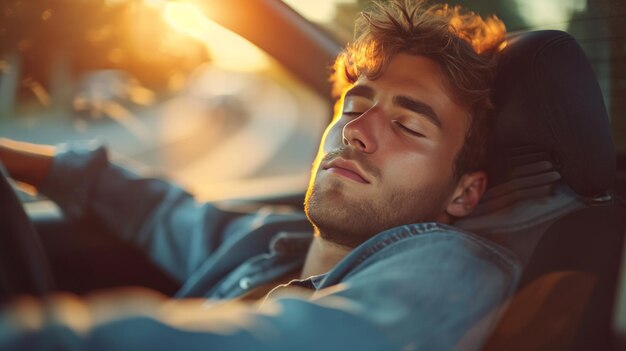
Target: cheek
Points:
(417, 171)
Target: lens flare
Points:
(227, 49)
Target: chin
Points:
(346, 220)
(338, 220)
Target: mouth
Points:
(346, 169)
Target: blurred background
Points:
(163, 86)
(166, 87)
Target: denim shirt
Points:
(424, 286)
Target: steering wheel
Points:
(24, 268)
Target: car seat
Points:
(551, 169)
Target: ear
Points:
(467, 194)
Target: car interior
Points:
(550, 199)
(554, 196)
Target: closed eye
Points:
(352, 113)
(408, 130)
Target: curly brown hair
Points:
(462, 42)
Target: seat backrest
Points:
(551, 167)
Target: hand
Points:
(30, 314)
(26, 162)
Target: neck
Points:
(323, 255)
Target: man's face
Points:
(388, 159)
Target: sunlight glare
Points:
(550, 14)
(322, 11)
(227, 49)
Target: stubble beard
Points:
(347, 222)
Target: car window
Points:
(598, 25)
(164, 87)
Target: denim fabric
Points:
(424, 286)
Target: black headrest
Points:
(549, 103)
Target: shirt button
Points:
(244, 283)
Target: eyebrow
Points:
(419, 107)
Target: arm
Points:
(440, 291)
(26, 162)
(162, 219)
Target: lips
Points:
(347, 169)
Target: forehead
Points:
(410, 74)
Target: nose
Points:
(360, 132)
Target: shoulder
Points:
(412, 248)
(426, 284)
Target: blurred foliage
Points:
(88, 35)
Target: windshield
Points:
(598, 25)
(164, 87)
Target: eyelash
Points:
(408, 130)
(400, 125)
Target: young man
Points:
(383, 270)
